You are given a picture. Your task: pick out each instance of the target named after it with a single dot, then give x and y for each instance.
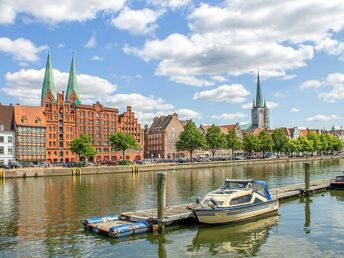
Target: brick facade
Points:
(161, 137)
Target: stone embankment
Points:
(59, 171)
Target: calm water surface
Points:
(42, 217)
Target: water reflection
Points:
(43, 216)
(307, 208)
(243, 238)
(338, 194)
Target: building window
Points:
(2, 127)
(1, 149)
(9, 151)
(1, 138)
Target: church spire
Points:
(48, 82)
(259, 97)
(72, 88)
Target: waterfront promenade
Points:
(60, 171)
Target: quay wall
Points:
(58, 171)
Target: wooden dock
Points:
(164, 215)
(179, 213)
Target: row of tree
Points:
(119, 142)
(192, 139)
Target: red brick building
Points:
(67, 118)
(161, 137)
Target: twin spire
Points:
(49, 88)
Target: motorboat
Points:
(236, 201)
(337, 183)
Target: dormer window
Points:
(38, 121)
(24, 119)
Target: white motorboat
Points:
(235, 201)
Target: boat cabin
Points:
(237, 192)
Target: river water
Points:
(42, 217)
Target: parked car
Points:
(57, 164)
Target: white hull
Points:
(235, 213)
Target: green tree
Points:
(325, 143)
(190, 139)
(233, 141)
(337, 144)
(123, 141)
(280, 140)
(82, 147)
(317, 143)
(306, 145)
(292, 146)
(251, 143)
(265, 142)
(215, 139)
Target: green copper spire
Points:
(259, 97)
(72, 88)
(48, 82)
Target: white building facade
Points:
(7, 135)
(7, 146)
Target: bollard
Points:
(307, 178)
(161, 199)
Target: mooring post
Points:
(161, 202)
(307, 178)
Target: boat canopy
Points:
(257, 186)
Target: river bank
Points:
(59, 171)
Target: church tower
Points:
(260, 113)
(72, 94)
(48, 88)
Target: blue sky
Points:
(198, 59)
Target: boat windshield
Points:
(234, 185)
(340, 179)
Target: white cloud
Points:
(173, 4)
(21, 49)
(311, 84)
(61, 45)
(227, 116)
(25, 85)
(137, 22)
(323, 118)
(218, 78)
(238, 36)
(271, 104)
(234, 93)
(138, 102)
(51, 11)
(295, 110)
(96, 58)
(183, 114)
(247, 105)
(186, 114)
(288, 77)
(332, 87)
(279, 94)
(92, 41)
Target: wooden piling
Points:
(2, 174)
(161, 199)
(307, 178)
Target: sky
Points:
(197, 58)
